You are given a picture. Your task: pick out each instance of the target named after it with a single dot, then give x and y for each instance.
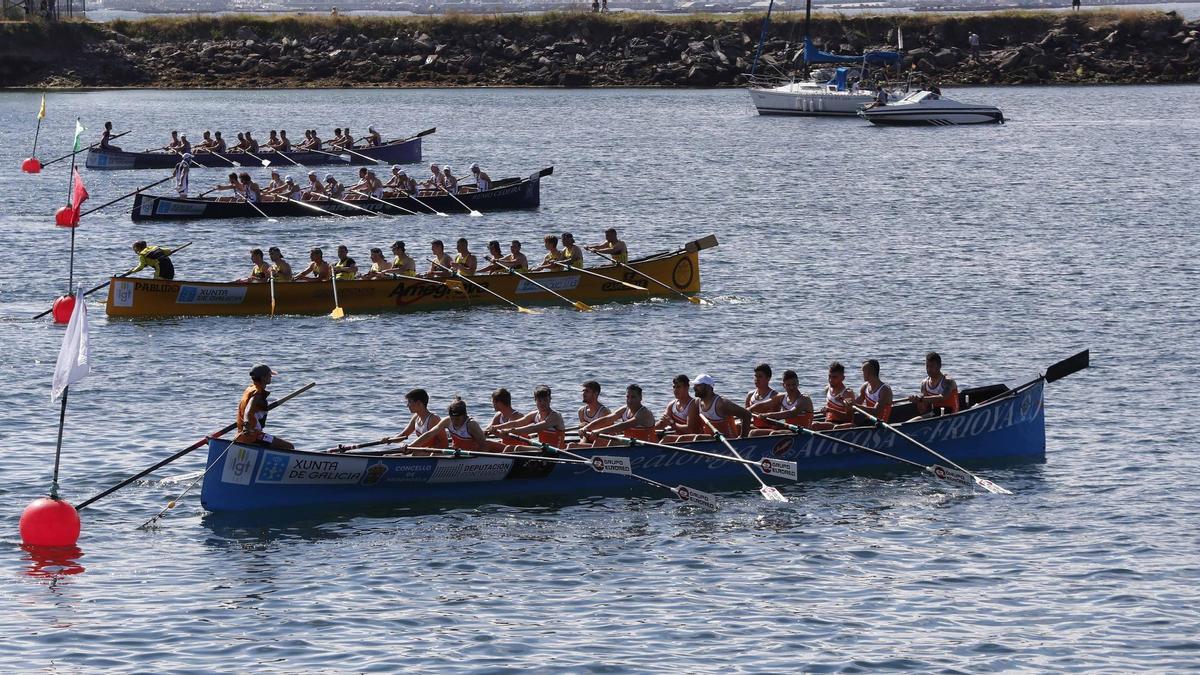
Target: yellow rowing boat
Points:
(678, 271)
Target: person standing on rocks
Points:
(1074, 5)
(973, 41)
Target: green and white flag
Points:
(78, 133)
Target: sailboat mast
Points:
(807, 20)
(762, 37)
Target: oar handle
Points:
(188, 449)
(126, 196)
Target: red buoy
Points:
(62, 309)
(49, 522)
(31, 165)
(66, 217)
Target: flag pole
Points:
(62, 418)
(70, 185)
(41, 114)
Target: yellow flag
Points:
(42, 112)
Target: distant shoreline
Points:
(581, 49)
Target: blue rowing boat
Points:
(998, 426)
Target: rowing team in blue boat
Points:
(368, 187)
(213, 142)
(695, 411)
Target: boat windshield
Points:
(915, 97)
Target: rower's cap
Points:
(403, 172)
(371, 128)
(328, 177)
(187, 155)
(274, 172)
(289, 179)
(261, 370)
(312, 174)
(704, 378)
(474, 167)
(396, 167)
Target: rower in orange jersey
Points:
(252, 411)
(839, 400)
(422, 421)
(938, 391)
(762, 398)
(632, 420)
(317, 267)
(681, 416)
(874, 395)
(720, 411)
(795, 407)
(463, 432)
(545, 421)
(502, 404)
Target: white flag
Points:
(74, 360)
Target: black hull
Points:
(511, 194)
(397, 152)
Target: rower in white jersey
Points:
(762, 398)
(794, 407)
(839, 400)
(720, 411)
(592, 409)
(423, 420)
(463, 432)
(276, 183)
(681, 416)
(483, 181)
(632, 420)
(938, 391)
(874, 395)
(502, 404)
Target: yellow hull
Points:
(153, 298)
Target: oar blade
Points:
(697, 497)
(951, 475)
(695, 300)
(772, 495)
(1068, 366)
(526, 310)
(266, 162)
(779, 468)
(337, 313)
(583, 307)
(456, 286)
(991, 487)
(475, 214)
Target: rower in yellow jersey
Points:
(572, 254)
(345, 269)
(154, 257)
(260, 272)
(552, 253)
(281, 269)
(612, 246)
(402, 264)
(465, 262)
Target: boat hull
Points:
(885, 116)
(398, 152)
(1006, 430)
(509, 195)
(809, 102)
(156, 298)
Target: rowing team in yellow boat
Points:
(693, 413)
(441, 265)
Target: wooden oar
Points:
(231, 162)
(271, 280)
(473, 212)
(775, 467)
(384, 202)
(280, 153)
(425, 206)
(359, 154)
(485, 289)
(453, 284)
(769, 493)
(71, 154)
(106, 283)
(309, 205)
(337, 312)
(699, 245)
(260, 211)
(126, 196)
(353, 206)
(387, 440)
(621, 466)
(936, 470)
(980, 481)
(188, 449)
(568, 268)
(265, 162)
(344, 158)
(416, 135)
(583, 307)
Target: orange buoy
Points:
(62, 309)
(31, 165)
(66, 217)
(49, 522)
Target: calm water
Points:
(1005, 248)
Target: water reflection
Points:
(52, 562)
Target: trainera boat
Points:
(927, 108)
(505, 195)
(157, 298)
(399, 151)
(997, 425)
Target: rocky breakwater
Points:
(578, 49)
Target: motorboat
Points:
(929, 107)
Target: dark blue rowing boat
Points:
(998, 425)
